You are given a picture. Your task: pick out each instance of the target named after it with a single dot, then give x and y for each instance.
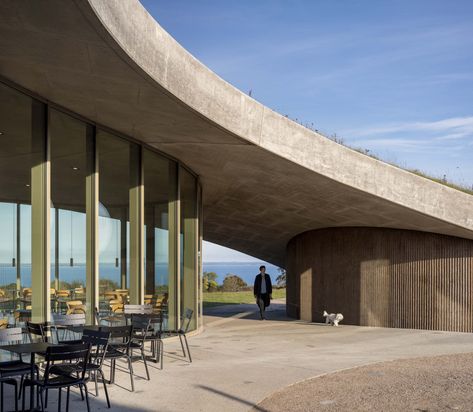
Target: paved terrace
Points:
(240, 360)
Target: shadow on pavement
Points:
(235, 398)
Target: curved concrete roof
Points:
(265, 177)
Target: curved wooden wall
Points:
(382, 277)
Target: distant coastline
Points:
(246, 270)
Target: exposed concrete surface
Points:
(240, 361)
(110, 62)
(440, 383)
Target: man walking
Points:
(263, 290)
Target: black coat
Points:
(257, 285)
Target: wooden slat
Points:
(384, 277)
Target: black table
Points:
(32, 349)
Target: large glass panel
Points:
(188, 238)
(159, 188)
(17, 118)
(68, 148)
(114, 187)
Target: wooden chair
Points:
(116, 305)
(75, 306)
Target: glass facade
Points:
(90, 219)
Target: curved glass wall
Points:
(89, 219)
(159, 190)
(18, 119)
(115, 162)
(69, 155)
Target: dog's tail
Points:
(325, 313)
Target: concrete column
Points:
(123, 251)
(136, 227)
(92, 218)
(40, 214)
(174, 310)
(18, 248)
(150, 248)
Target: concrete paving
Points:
(239, 360)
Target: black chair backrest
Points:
(186, 320)
(140, 323)
(62, 353)
(117, 332)
(36, 331)
(98, 341)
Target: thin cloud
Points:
(456, 127)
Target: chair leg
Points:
(1, 395)
(15, 387)
(161, 353)
(21, 385)
(86, 398)
(153, 350)
(23, 399)
(67, 398)
(46, 402)
(81, 392)
(188, 351)
(59, 401)
(130, 366)
(105, 387)
(182, 346)
(144, 360)
(41, 399)
(112, 371)
(96, 384)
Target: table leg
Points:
(32, 408)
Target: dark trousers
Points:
(262, 302)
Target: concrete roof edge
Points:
(150, 48)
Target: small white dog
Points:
(333, 318)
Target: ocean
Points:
(246, 270)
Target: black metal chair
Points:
(119, 348)
(110, 319)
(51, 380)
(14, 383)
(141, 327)
(70, 325)
(182, 331)
(9, 370)
(99, 344)
(37, 332)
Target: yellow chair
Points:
(148, 299)
(63, 293)
(116, 305)
(4, 323)
(27, 293)
(122, 294)
(75, 306)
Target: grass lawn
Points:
(234, 298)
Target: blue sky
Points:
(394, 77)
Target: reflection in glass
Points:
(114, 185)
(16, 160)
(188, 239)
(68, 147)
(158, 189)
